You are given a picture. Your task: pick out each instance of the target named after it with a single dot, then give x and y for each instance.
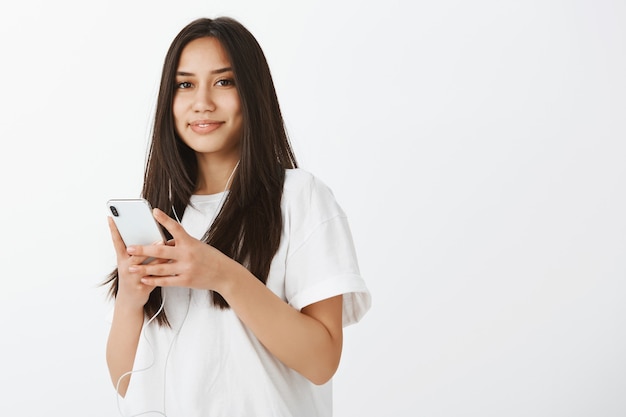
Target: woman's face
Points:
(207, 111)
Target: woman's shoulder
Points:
(300, 181)
(295, 176)
(306, 191)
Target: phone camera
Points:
(114, 211)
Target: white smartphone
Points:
(135, 222)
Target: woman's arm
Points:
(128, 315)
(308, 341)
(122, 345)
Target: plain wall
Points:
(477, 147)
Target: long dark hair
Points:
(248, 228)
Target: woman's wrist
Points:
(123, 306)
(232, 273)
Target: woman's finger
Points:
(139, 260)
(166, 281)
(159, 251)
(176, 230)
(161, 269)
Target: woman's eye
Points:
(225, 83)
(183, 85)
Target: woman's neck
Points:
(215, 177)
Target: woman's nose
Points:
(203, 100)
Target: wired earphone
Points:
(161, 307)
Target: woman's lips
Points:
(204, 126)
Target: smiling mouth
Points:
(204, 126)
(204, 123)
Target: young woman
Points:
(241, 313)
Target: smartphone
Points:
(135, 222)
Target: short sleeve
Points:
(321, 260)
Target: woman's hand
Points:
(131, 292)
(187, 262)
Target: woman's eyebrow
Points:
(217, 71)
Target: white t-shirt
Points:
(209, 363)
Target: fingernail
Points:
(133, 269)
(131, 249)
